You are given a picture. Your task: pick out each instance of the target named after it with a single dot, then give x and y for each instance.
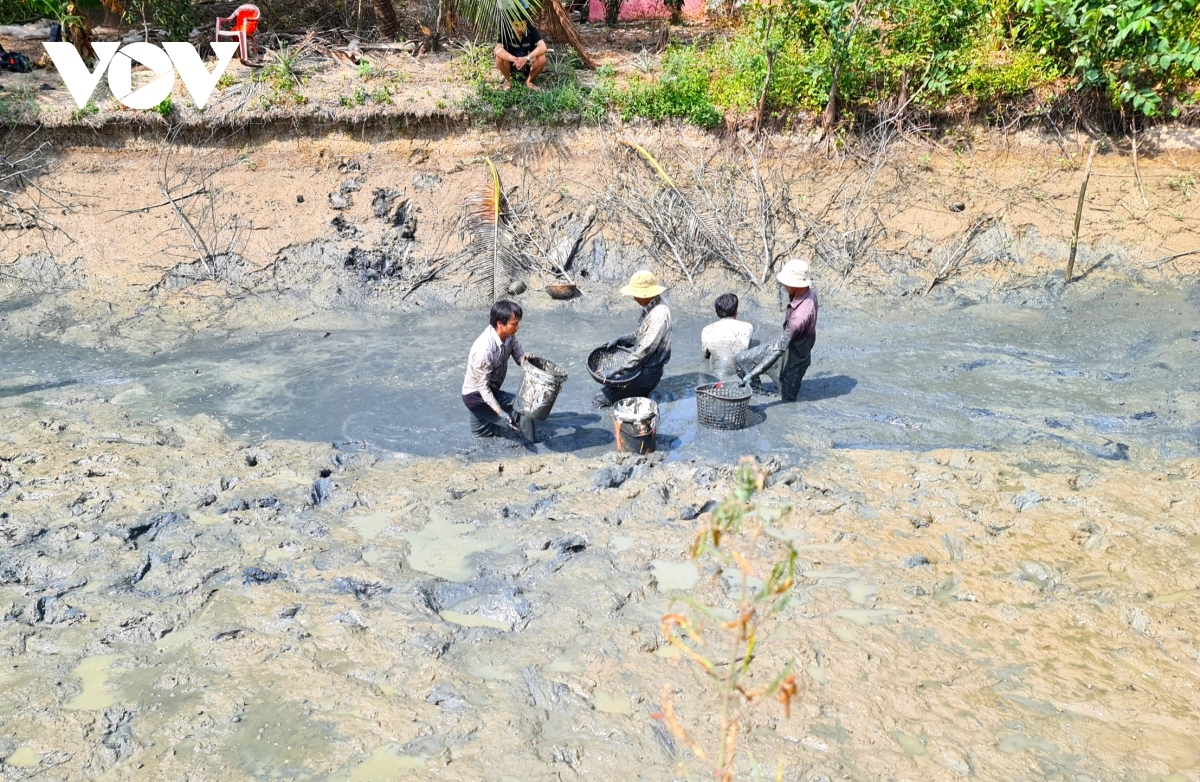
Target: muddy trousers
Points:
(646, 382)
(788, 371)
(485, 422)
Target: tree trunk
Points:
(830, 115)
(448, 25)
(385, 15)
(612, 12)
(556, 21)
(79, 35)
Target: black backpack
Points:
(15, 62)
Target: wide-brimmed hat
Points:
(643, 285)
(795, 274)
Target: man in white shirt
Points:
(723, 340)
(487, 366)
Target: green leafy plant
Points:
(357, 98)
(1138, 51)
(1182, 183)
(165, 108)
(681, 92)
(89, 109)
(724, 635)
(284, 78)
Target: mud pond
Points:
(325, 579)
(1110, 375)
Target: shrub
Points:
(681, 92)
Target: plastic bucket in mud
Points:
(539, 390)
(635, 422)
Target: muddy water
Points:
(1108, 376)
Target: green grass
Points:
(563, 98)
(283, 80)
(17, 104)
(89, 109)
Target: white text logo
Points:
(181, 57)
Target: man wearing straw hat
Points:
(651, 344)
(795, 345)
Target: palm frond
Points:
(654, 164)
(492, 251)
(489, 17)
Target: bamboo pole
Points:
(1087, 173)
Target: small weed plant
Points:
(725, 636)
(283, 79)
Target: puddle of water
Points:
(1175, 597)
(474, 620)
(865, 616)
(862, 594)
(619, 543)
(24, 757)
(384, 764)
(371, 525)
(674, 575)
(611, 703)
(792, 535)
(1020, 742)
(98, 692)
(445, 549)
(912, 745)
(173, 641)
(818, 574)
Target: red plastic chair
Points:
(245, 24)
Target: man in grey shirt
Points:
(796, 342)
(650, 345)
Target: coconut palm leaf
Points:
(489, 17)
(699, 223)
(492, 251)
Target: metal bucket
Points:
(539, 390)
(635, 423)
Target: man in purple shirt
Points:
(795, 345)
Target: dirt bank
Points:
(179, 604)
(282, 229)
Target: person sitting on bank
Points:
(794, 345)
(723, 340)
(521, 53)
(650, 346)
(487, 365)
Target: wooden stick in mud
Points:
(1087, 173)
(1137, 171)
